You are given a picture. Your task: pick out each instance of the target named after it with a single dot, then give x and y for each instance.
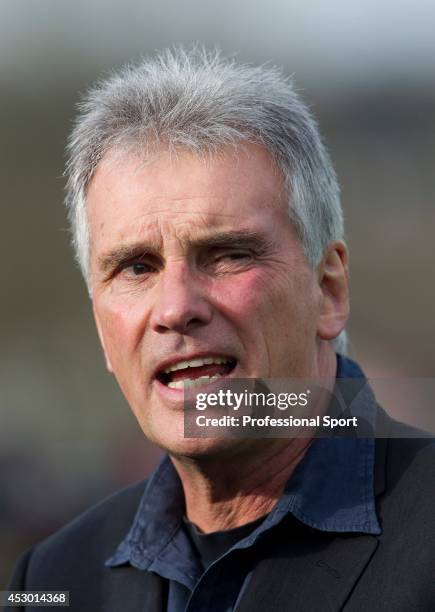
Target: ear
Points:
(333, 278)
(101, 336)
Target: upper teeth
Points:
(195, 363)
(187, 383)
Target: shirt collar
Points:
(330, 490)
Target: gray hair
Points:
(197, 100)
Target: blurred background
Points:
(367, 70)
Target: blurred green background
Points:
(368, 72)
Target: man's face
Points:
(196, 260)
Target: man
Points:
(207, 223)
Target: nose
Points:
(181, 303)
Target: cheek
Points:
(252, 298)
(121, 326)
(239, 293)
(265, 302)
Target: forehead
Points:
(183, 196)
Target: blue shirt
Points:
(330, 490)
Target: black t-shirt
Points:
(211, 546)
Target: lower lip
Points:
(179, 396)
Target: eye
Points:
(233, 256)
(139, 268)
(227, 260)
(236, 255)
(136, 268)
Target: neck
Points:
(241, 482)
(240, 486)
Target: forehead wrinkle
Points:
(189, 198)
(171, 211)
(263, 200)
(160, 227)
(154, 234)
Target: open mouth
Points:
(196, 372)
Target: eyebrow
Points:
(236, 238)
(111, 260)
(240, 239)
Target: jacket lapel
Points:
(316, 569)
(132, 590)
(316, 573)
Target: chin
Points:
(199, 448)
(163, 425)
